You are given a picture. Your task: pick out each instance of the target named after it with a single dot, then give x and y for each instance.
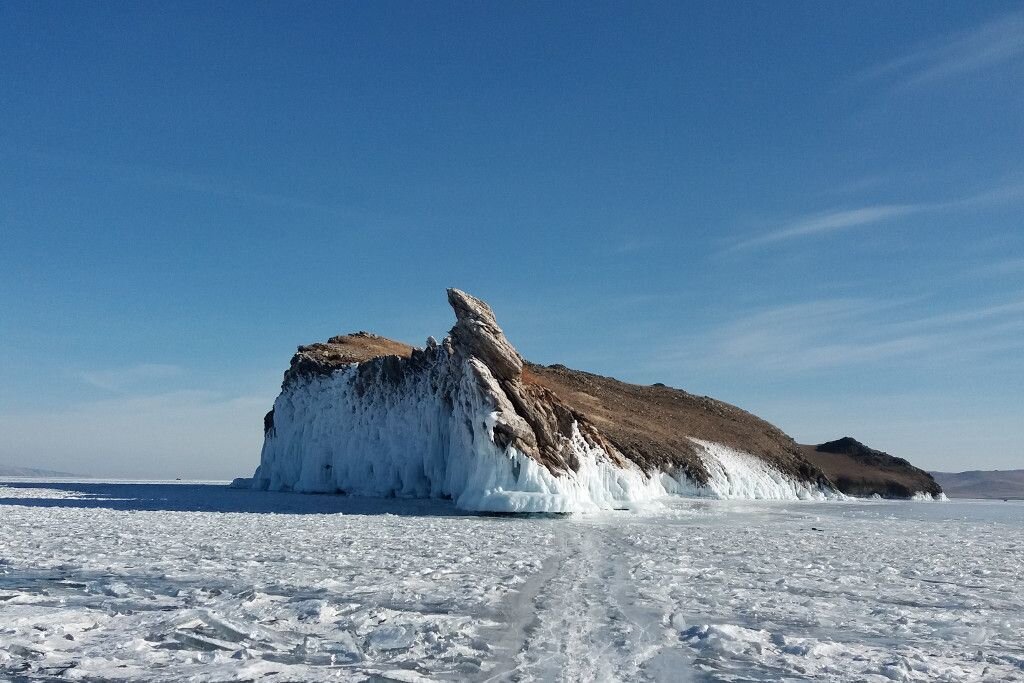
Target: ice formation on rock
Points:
(458, 420)
(735, 474)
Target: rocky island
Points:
(469, 419)
(858, 470)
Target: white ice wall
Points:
(735, 474)
(429, 434)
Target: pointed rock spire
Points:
(476, 333)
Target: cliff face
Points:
(470, 419)
(858, 470)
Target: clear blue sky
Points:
(812, 210)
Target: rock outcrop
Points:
(858, 470)
(469, 418)
(529, 416)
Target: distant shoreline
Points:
(36, 472)
(983, 484)
(5, 476)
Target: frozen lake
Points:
(143, 581)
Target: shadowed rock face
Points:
(858, 470)
(537, 407)
(323, 358)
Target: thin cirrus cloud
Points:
(996, 43)
(1012, 266)
(141, 174)
(131, 377)
(838, 220)
(841, 333)
(832, 221)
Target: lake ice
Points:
(200, 582)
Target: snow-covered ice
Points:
(162, 582)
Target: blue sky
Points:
(812, 210)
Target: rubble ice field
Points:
(162, 582)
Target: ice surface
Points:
(430, 434)
(207, 583)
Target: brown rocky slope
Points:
(858, 470)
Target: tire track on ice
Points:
(520, 616)
(580, 619)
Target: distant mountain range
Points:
(6, 471)
(1007, 484)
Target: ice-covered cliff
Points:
(470, 420)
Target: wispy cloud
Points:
(961, 316)
(142, 174)
(837, 220)
(1012, 266)
(995, 43)
(130, 377)
(832, 221)
(838, 333)
(638, 245)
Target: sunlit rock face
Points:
(469, 419)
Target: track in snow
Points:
(580, 618)
(145, 582)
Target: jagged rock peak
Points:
(476, 333)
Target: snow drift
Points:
(362, 415)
